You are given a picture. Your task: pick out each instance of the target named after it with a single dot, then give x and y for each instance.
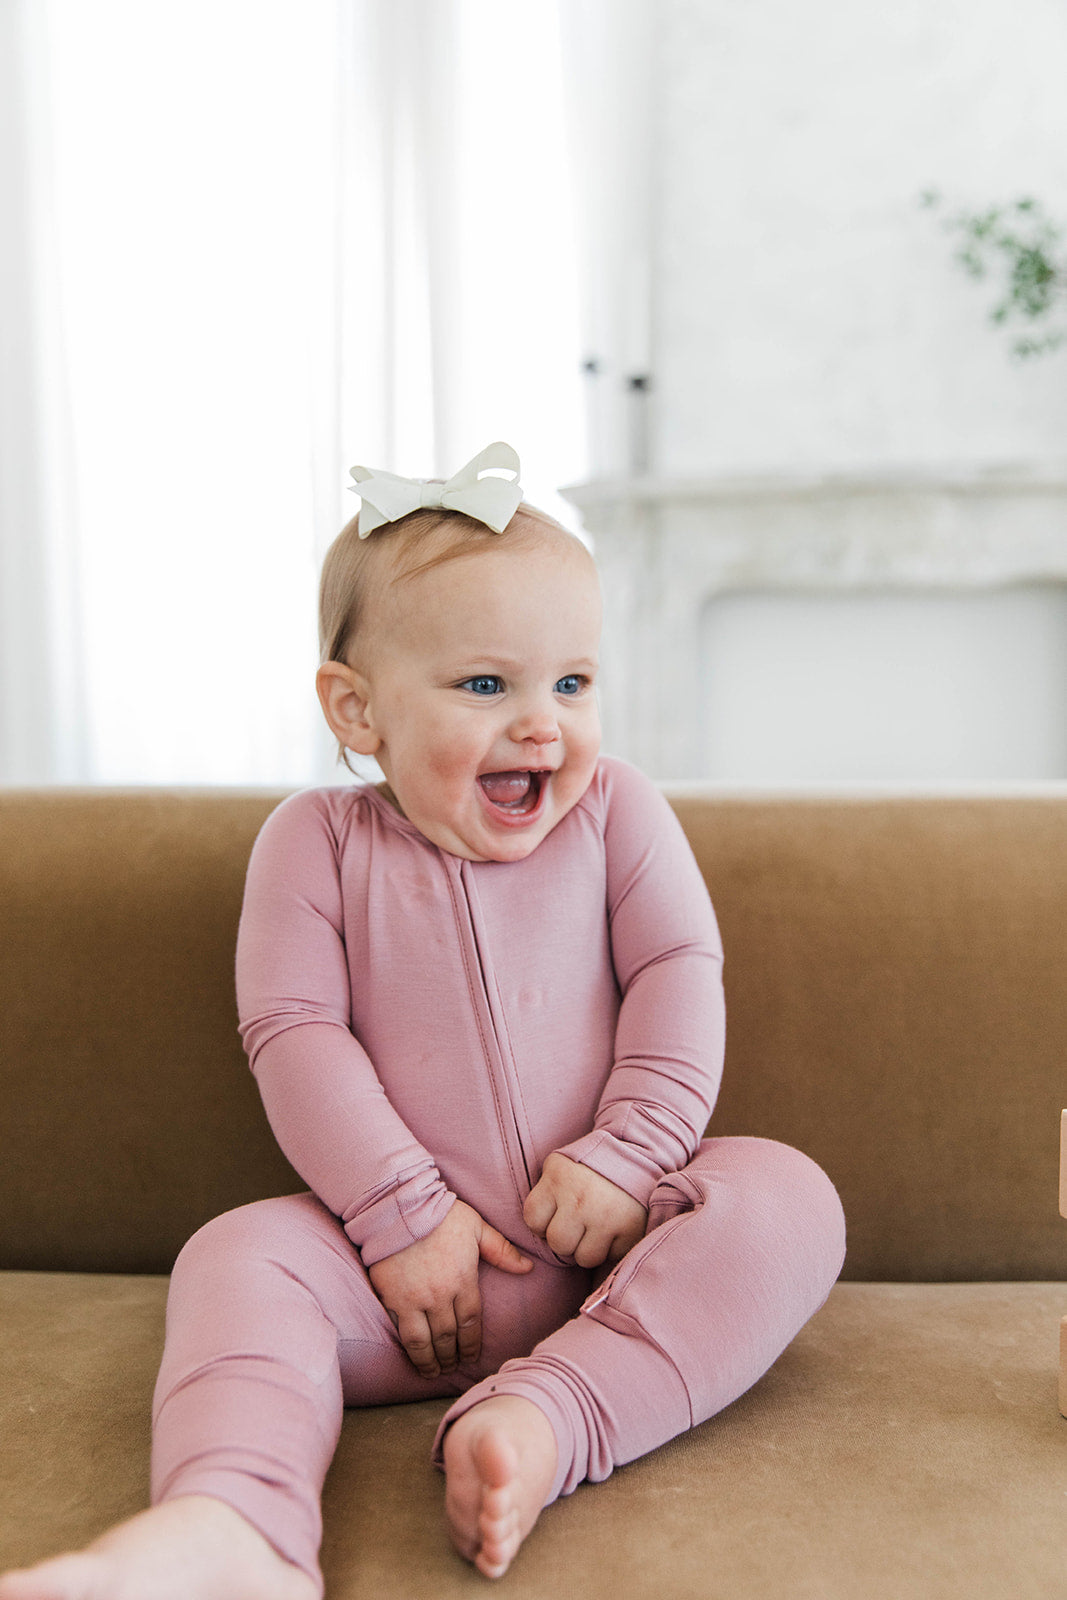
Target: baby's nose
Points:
(536, 725)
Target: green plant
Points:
(1017, 242)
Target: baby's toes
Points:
(498, 1504)
(500, 1538)
(495, 1557)
(499, 1529)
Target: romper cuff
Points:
(625, 1165)
(410, 1210)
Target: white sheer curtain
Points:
(456, 281)
(614, 88)
(284, 238)
(41, 705)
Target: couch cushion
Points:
(907, 1443)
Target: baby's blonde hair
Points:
(357, 571)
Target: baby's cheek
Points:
(448, 760)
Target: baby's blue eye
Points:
(485, 685)
(572, 684)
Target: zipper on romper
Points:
(506, 1090)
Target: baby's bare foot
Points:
(500, 1458)
(191, 1548)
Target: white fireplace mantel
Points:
(667, 548)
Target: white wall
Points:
(807, 319)
(806, 311)
(881, 685)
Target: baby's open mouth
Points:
(517, 792)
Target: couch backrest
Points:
(897, 1007)
(896, 976)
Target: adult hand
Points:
(430, 1289)
(581, 1215)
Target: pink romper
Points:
(422, 1027)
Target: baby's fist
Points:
(582, 1216)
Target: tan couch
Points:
(897, 994)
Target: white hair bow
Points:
(492, 500)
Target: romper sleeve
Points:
(671, 1031)
(322, 1095)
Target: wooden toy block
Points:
(1063, 1213)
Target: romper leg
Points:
(249, 1398)
(742, 1248)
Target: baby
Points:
(483, 1004)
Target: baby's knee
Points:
(816, 1202)
(274, 1231)
(787, 1170)
(776, 1188)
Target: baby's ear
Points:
(344, 697)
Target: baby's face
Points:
(481, 693)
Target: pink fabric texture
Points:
(422, 1027)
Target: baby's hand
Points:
(581, 1215)
(430, 1289)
